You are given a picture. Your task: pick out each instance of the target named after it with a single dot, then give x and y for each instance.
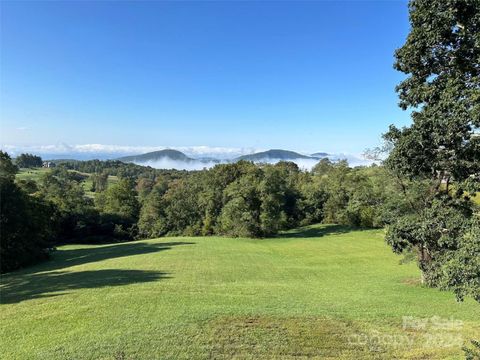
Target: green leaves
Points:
(441, 58)
(440, 151)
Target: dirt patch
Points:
(412, 281)
(254, 337)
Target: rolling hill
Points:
(169, 154)
(274, 154)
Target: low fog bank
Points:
(166, 163)
(304, 164)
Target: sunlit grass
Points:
(316, 292)
(34, 174)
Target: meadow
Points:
(35, 174)
(323, 291)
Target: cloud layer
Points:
(105, 151)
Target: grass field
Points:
(32, 174)
(36, 174)
(319, 292)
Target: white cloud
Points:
(165, 163)
(105, 151)
(215, 152)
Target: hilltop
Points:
(274, 154)
(169, 154)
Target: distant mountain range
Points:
(186, 157)
(175, 155)
(170, 158)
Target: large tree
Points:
(25, 222)
(437, 159)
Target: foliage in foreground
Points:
(25, 222)
(437, 159)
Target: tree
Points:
(310, 200)
(462, 267)
(183, 215)
(211, 199)
(8, 169)
(322, 167)
(240, 216)
(273, 190)
(144, 187)
(440, 152)
(64, 191)
(28, 186)
(99, 181)
(25, 222)
(119, 206)
(152, 219)
(293, 178)
(28, 161)
(335, 184)
(441, 58)
(120, 199)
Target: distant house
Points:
(48, 164)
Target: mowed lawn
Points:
(36, 174)
(317, 292)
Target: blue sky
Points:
(305, 76)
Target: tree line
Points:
(28, 161)
(240, 199)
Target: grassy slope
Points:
(36, 175)
(32, 174)
(302, 295)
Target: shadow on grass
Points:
(72, 257)
(46, 278)
(55, 283)
(313, 232)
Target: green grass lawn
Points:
(320, 292)
(34, 174)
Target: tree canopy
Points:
(436, 160)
